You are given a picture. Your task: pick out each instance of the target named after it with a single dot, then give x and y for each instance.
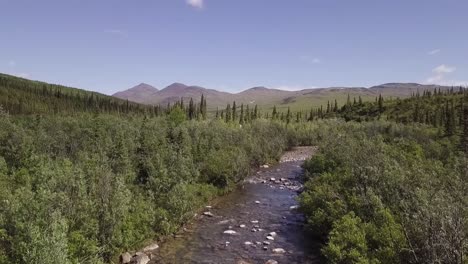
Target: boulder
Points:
(273, 234)
(151, 247)
(140, 259)
(270, 238)
(230, 232)
(271, 261)
(279, 251)
(125, 258)
(209, 214)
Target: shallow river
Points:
(261, 206)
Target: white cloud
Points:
(442, 69)
(117, 32)
(312, 60)
(316, 60)
(196, 3)
(433, 52)
(440, 77)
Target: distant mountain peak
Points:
(176, 85)
(137, 93)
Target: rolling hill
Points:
(19, 96)
(266, 98)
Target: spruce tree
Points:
(464, 135)
(234, 111)
(241, 117)
(274, 113)
(191, 109)
(228, 113)
(247, 114)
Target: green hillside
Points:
(22, 96)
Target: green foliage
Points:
(79, 189)
(347, 242)
(24, 97)
(403, 186)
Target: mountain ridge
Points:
(268, 97)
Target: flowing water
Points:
(260, 206)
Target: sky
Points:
(233, 45)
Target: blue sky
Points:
(231, 45)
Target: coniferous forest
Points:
(84, 176)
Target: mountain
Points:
(266, 98)
(138, 93)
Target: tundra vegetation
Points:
(84, 176)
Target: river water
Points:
(260, 206)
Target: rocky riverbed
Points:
(257, 223)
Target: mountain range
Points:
(266, 98)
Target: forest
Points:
(84, 176)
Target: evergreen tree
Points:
(241, 117)
(380, 103)
(234, 111)
(464, 135)
(274, 113)
(228, 113)
(191, 109)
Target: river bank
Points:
(256, 223)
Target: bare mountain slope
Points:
(137, 93)
(266, 98)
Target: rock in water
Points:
(279, 251)
(270, 238)
(230, 232)
(125, 258)
(209, 214)
(273, 234)
(271, 261)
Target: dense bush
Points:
(386, 193)
(80, 189)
